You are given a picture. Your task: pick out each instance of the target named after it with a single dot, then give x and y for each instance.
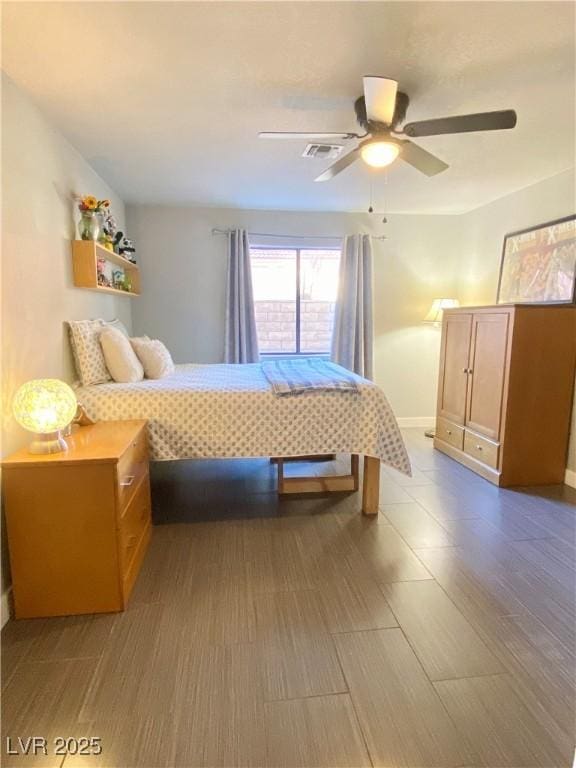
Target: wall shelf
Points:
(85, 256)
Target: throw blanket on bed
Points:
(293, 377)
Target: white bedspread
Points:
(225, 411)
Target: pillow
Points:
(120, 358)
(155, 358)
(88, 356)
(116, 323)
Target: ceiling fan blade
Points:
(483, 121)
(421, 159)
(380, 98)
(339, 165)
(303, 136)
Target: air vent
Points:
(324, 151)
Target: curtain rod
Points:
(217, 231)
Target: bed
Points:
(230, 411)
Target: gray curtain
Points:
(352, 340)
(241, 340)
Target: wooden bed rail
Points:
(337, 483)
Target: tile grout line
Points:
(356, 714)
(436, 694)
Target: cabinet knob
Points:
(449, 431)
(470, 370)
(479, 447)
(464, 370)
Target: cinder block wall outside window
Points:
(276, 324)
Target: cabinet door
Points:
(489, 347)
(454, 356)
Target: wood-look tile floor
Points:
(298, 633)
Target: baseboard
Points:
(417, 421)
(5, 606)
(570, 478)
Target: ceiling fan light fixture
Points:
(378, 153)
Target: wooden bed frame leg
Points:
(371, 488)
(280, 463)
(355, 469)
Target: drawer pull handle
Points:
(128, 482)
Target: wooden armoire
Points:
(505, 390)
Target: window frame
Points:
(298, 249)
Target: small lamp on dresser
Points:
(434, 317)
(45, 407)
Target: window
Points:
(294, 295)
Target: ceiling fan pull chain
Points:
(385, 205)
(371, 207)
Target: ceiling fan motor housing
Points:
(371, 126)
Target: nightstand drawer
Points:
(484, 450)
(132, 466)
(130, 574)
(450, 433)
(133, 522)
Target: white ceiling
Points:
(165, 99)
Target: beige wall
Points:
(184, 272)
(41, 173)
(484, 230)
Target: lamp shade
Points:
(437, 309)
(44, 406)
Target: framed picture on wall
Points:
(539, 264)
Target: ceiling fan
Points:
(379, 112)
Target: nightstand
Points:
(79, 522)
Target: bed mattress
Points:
(227, 411)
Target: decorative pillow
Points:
(120, 358)
(155, 358)
(90, 363)
(116, 323)
(74, 354)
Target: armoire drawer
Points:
(484, 450)
(449, 432)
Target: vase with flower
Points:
(92, 213)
